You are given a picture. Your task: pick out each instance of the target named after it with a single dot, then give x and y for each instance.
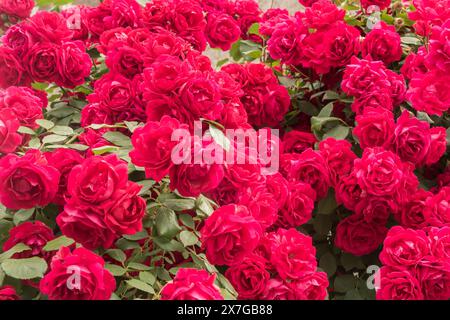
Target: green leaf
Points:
(147, 277)
(25, 269)
(330, 95)
(172, 245)
(22, 215)
(57, 243)
(2, 277)
(339, 132)
(26, 130)
(20, 247)
(235, 51)
(179, 204)
(204, 206)
(326, 111)
(105, 149)
(411, 40)
(35, 143)
(62, 130)
(116, 254)
(322, 224)
(328, 204)
(328, 263)
(166, 223)
(188, 238)
(77, 146)
(116, 270)
(53, 138)
(39, 85)
(344, 283)
(117, 138)
(254, 29)
(46, 124)
(138, 266)
(350, 262)
(187, 220)
(219, 137)
(138, 284)
(137, 236)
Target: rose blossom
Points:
(96, 282)
(249, 277)
(10, 139)
(222, 31)
(229, 234)
(191, 284)
(8, 293)
(382, 43)
(358, 237)
(27, 181)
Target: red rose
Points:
(74, 64)
(404, 247)
(33, 234)
(412, 212)
(279, 187)
(127, 211)
(50, 26)
(8, 293)
(358, 237)
(298, 141)
(440, 242)
(376, 210)
(125, 60)
(17, 8)
(285, 43)
(398, 284)
(86, 226)
(200, 97)
(362, 76)
(191, 284)
(310, 167)
(64, 160)
(299, 205)
(19, 38)
(437, 210)
(95, 282)
(382, 43)
(430, 92)
(348, 191)
(229, 234)
(115, 92)
(260, 202)
(434, 279)
(292, 253)
(322, 14)
(374, 99)
(249, 277)
(414, 63)
(311, 286)
(222, 31)
(24, 103)
(380, 172)
(412, 139)
(96, 180)
(10, 68)
(438, 145)
(190, 180)
(28, 181)
(339, 157)
(375, 128)
(234, 115)
(276, 289)
(155, 137)
(96, 113)
(9, 138)
(381, 4)
(42, 62)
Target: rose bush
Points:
(121, 147)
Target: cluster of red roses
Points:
(15, 9)
(158, 76)
(416, 264)
(41, 49)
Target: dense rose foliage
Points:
(133, 166)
